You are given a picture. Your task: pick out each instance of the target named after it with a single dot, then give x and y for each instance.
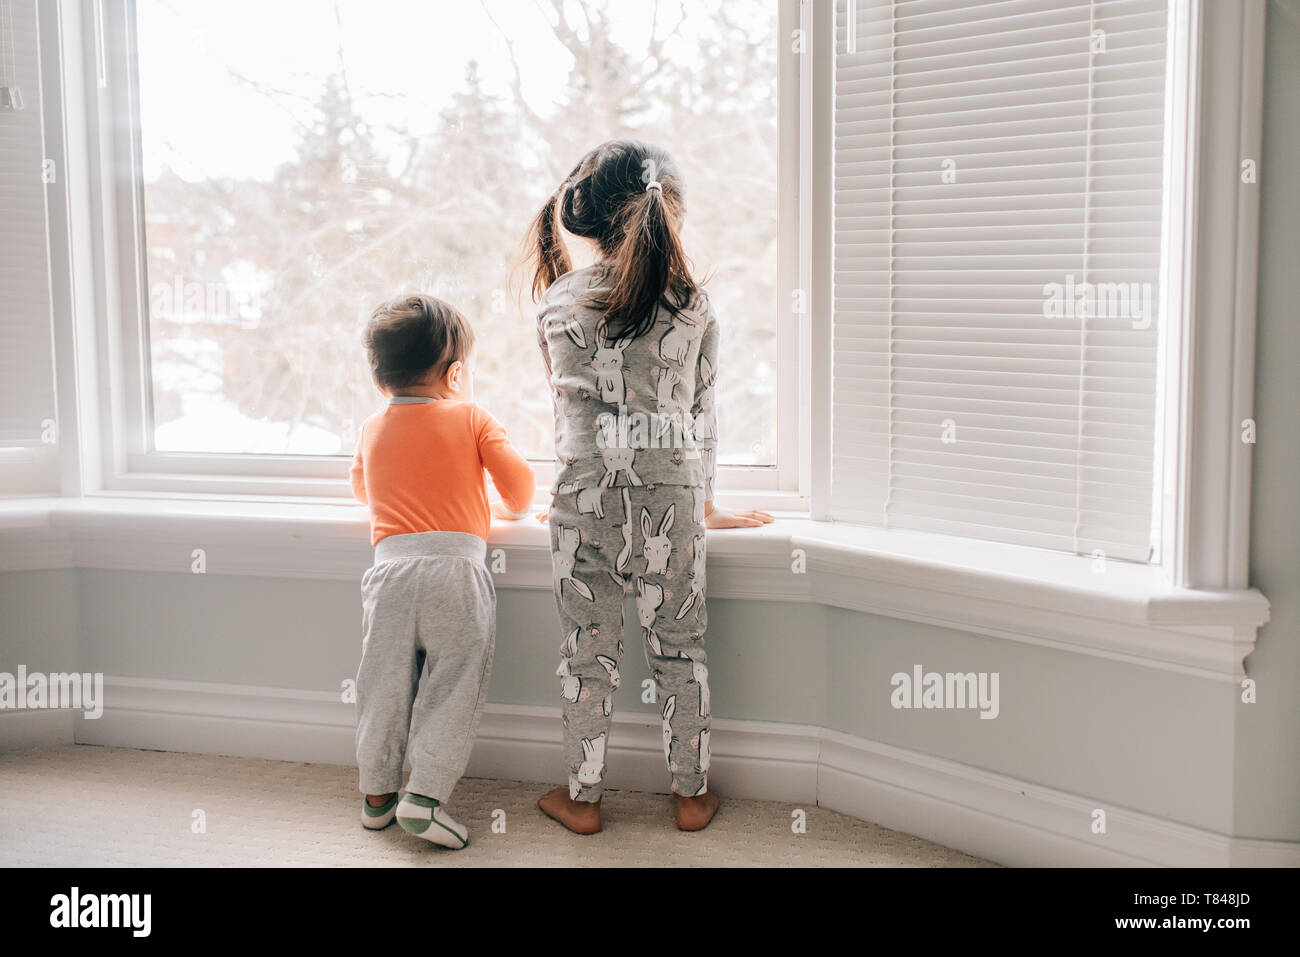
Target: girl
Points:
(631, 348)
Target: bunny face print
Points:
(570, 684)
(565, 559)
(649, 597)
(608, 363)
(696, 582)
(592, 768)
(682, 334)
(670, 708)
(659, 546)
(661, 384)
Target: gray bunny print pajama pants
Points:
(648, 540)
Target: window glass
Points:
(303, 161)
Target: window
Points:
(1126, 175)
(997, 243)
(301, 161)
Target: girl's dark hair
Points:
(608, 198)
(413, 337)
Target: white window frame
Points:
(94, 58)
(1214, 90)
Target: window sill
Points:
(1123, 612)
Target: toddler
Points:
(428, 603)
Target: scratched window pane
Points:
(304, 160)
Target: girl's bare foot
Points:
(379, 800)
(580, 817)
(695, 813)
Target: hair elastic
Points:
(654, 184)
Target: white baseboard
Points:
(1001, 818)
(979, 812)
(34, 729)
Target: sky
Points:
(404, 60)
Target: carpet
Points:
(89, 807)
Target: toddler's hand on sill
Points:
(500, 511)
(734, 517)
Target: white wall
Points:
(1266, 757)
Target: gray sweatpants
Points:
(650, 540)
(429, 618)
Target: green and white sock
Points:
(424, 817)
(378, 818)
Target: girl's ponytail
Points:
(648, 266)
(627, 196)
(543, 248)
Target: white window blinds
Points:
(997, 217)
(26, 360)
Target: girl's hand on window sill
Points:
(734, 517)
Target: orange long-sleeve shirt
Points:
(419, 466)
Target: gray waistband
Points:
(431, 545)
